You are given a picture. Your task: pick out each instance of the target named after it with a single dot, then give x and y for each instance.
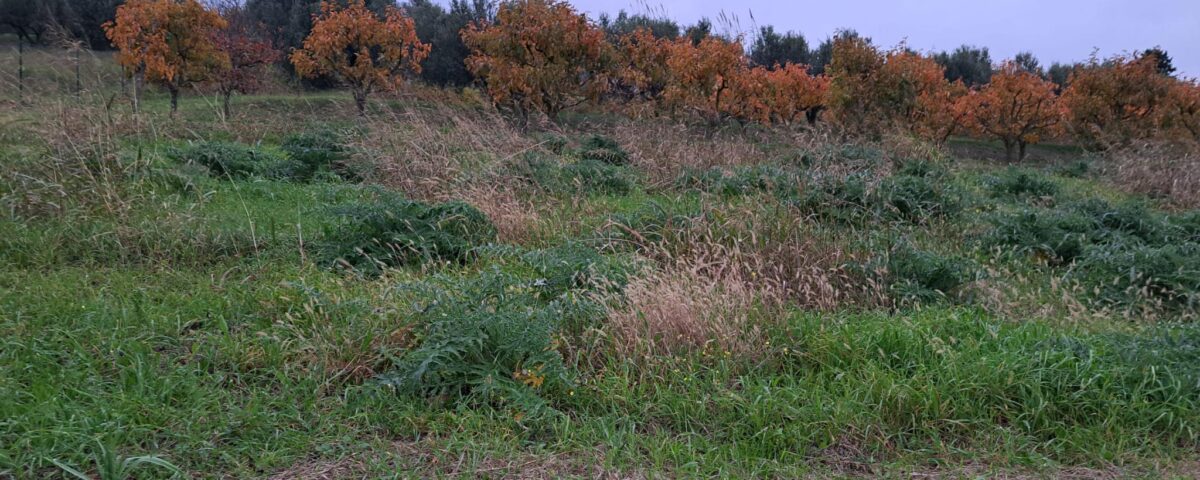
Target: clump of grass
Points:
(916, 194)
(318, 153)
(840, 199)
(645, 228)
(1126, 254)
(683, 310)
(1168, 172)
(392, 231)
(917, 199)
(235, 160)
(1057, 235)
(1075, 169)
(1017, 182)
(743, 180)
(1167, 276)
(494, 338)
(553, 175)
(604, 149)
(919, 277)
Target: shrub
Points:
(1059, 235)
(642, 229)
(317, 152)
(918, 277)
(581, 177)
(742, 180)
(914, 199)
(923, 169)
(843, 199)
(1076, 169)
(493, 338)
(604, 149)
(1017, 182)
(593, 176)
(553, 142)
(1167, 275)
(235, 160)
(486, 340)
(392, 232)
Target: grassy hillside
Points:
(298, 293)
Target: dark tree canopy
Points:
(821, 57)
(1029, 63)
(772, 48)
(1060, 73)
(35, 20)
(970, 64)
(625, 23)
(1165, 67)
(289, 21)
(701, 30)
(440, 28)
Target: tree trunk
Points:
(78, 79)
(1009, 149)
(20, 69)
(1021, 155)
(139, 79)
(360, 101)
(174, 99)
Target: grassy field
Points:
(295, 292)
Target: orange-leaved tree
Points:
(853, 75)
(1181, 115)
(1016, 107)
(540, 55)
(782, 95)
(167, 42)
(360, 49)
(703, 75)
(1114, 102)
(248, 56)
(872, 91)
(642, 70)
(909, 87)
(941, 112)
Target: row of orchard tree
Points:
(541, 57)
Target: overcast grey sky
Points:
(1054, 30)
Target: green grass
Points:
(198, 325)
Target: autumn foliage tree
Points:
(167, 42)
(853, 73)
(872, 91)
(1113, 102)
(783, 95)
(642, 71)
(1017, 107)
(360, 49)
(540, 55)
(703, 75)
(248, 56)
(941, 112)
(1181, 115)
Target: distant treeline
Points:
(288, 22)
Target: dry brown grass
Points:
(777, 250)
(722, 282)
(76, 164)
(663, 149)
(516, 219)
(1170, 172)
(683, 309)
(430, 152)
